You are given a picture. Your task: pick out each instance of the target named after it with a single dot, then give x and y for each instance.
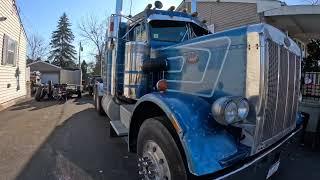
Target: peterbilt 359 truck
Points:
(192, 103)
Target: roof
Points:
(18, 13)
(235, 1)
(302, 21)
(43, 67)
(167, 15)
(293, 10)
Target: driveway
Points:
(53, 140)
(60, 141)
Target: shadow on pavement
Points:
(34, 105)
(86, 99)
(80, 148)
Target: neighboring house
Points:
(301, 22)
(48, 71)
(13, 46)
(56, 74)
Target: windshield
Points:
(174, 31)
(169, 31)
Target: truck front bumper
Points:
(258, 166)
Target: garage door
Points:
(54, 77)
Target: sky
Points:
(41, 16)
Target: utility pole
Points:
(80, 49)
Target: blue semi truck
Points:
(192, 103)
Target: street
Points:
(66, 141)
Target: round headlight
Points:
(243, 109)
(230, 109)
(230, 112)
(225, 110)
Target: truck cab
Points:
(195, 104)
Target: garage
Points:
(48, 71)
(54, 77)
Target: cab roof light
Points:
(158, 4)
(149, 6)
(185, 10)
(195, 14)
(172, 8)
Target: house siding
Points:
(12, 28)
(227, 15)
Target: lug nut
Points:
(142, 172)
(161, 161)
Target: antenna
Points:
(130, 7)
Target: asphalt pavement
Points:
(53, 140)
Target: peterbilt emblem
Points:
(192, 58)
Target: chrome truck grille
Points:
(281, 83)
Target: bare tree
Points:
(313, 2)
(93, 31)
(38, 49)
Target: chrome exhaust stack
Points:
(115, 39)
(193, 6)
(117, 18)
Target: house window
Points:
(9, 51)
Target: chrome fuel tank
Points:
(135, 82)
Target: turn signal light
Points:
(162, 85)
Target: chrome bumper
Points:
(255, 167)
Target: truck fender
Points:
(204, 142)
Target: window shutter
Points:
(15, 53)
(4, 49)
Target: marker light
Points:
(158, 4)
(172, 8)
(162, 85)
(148, 7)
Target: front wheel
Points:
(159, 156)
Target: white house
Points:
(301, 22)
(13, 47)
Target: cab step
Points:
(118, 129)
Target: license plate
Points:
(273, 169)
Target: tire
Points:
(79, 94)
(152, 136)
(43, 93)
(90, 89)
(50, 89)
(37, 96)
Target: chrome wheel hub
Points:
(153, 165)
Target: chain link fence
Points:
(310, 86)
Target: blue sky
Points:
(41, 16)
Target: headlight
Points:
(243, 108)
(229, 110)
